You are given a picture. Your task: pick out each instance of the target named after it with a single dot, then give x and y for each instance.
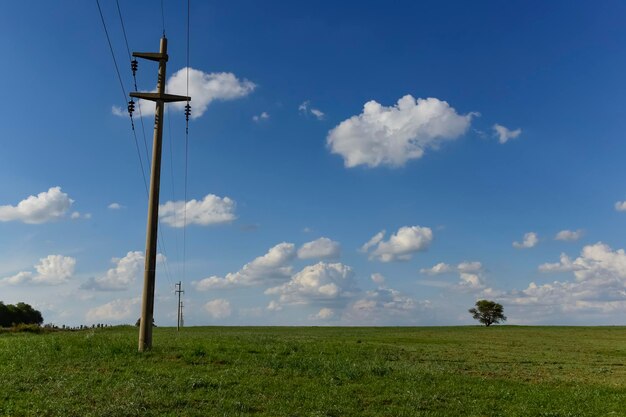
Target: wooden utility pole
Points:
(179, 291)
(147, 301)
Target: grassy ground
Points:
(214, 371)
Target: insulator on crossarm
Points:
(133, 66)
(187, 112)
(131, 107)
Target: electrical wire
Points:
(187, 112)
(119, 77)
(145, 182)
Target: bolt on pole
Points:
(147, 301)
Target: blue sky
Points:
(484, 139)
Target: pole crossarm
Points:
(151, 56)
(165, 98)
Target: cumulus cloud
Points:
(320, 248)
(322, 283)
(440, 268)
(373, 241)
(122, 275)
(504, 134)
(530, 241)
(115, 206)
(599, 285)
(565, 264)
(263, 116)
(51, 270)
(378, 278)
(268, 268)
(393, 135)
(305, 108)
(218, 309)
(44, 207)
(116, 311)
(470, 274)
(78, 215)
(620, 206)
(384, 304)
(401, 246)
(569, 235)
(325, 313)
(208, 211)
(274, 306)
(204, 88)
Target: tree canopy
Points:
(20, 313)
(488, 312)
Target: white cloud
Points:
(620, 206)
(373, 241)
(121, 276)
(51, 270)
(440, 268)
(378, 278)
(385, 305)
(505, 134)
(393, 135)
(116, 311)
(274, 306)
(321, 283)
(530, 241)
(400, 246)
(318, 113)
(115, 206)
(470, 274)
(218, 309)
(470, 282)
(325, 313)
(565, 264)
(78, 215)
(597, 263)
(320, 248)
(305, 108)
(46, 206)
(204, 88)
(470, 266)
(599, 285)
(262, 116)
(267, 268)
(569, 235)
(208, 211)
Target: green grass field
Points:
(269, 371)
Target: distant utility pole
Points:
(179, 291)
(147, 301)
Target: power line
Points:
(117, 70)
(119, 12)
(119, 77)
(169, 124)
(187, 114)
(133, 66)
(131, 103)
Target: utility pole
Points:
(179, 291)
(147, 301)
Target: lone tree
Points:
(488, 312)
